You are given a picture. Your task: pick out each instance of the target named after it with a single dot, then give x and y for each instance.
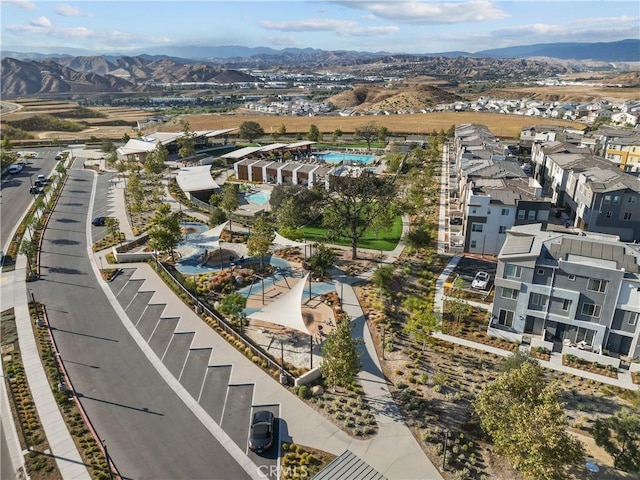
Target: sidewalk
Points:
(61, 444)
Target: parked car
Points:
(58, 157)
(35, 189)
(455, 221)
(99, 221)
(481, 280)
(261, 431)
(15, 168)
(42, 178)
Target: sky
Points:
(396, 26)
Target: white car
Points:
(481, 280)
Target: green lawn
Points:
(385, 241)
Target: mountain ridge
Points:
(622, 50)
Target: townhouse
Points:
(571, 293)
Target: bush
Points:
(304, 392)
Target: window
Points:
(538, 299)
(566, 304)
(474, 211)
(631, 200)
(521, 214)
(627, 216)
(505, 211)
(630, 317)
(477, 227)
(505, 317)
(541, 271)
(585, 335)
(531, 215)
(597, 285)
(608, 214)
(591, 310)
(616, 200)
(509, 293)
(474, 244)
(512, 271)
(502, 229)
(572, 277)
(488, 211)
(607, 199)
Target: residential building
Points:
(580, 291)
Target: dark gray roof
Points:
(348, 466)
(591, 248)
(517, 245)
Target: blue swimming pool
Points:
(335, 157)
(260, 197)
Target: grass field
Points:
(386, 241)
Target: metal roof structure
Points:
(348, 466)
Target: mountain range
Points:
(44, 74)
(621, 51)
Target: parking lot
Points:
(469, 266)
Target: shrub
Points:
(304, 392)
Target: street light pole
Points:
(311, 351)
(444, 454)
(106, 454)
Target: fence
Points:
(227, 328)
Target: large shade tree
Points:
(187, 142)
(354, 200)
(619, 435)
(250, 131)
(522, 414)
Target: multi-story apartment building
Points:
(495, 192)
(570, 290)
(593, 192)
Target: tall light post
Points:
(444, 453)
(106, 455)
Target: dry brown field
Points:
(502, 126)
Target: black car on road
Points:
(99, 221)
(261, 432)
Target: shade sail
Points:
(280, 242)
(286, 310)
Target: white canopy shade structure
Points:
(286, 310)
(195, 179)
(210, 238)
(280, 242)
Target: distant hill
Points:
(85, 75)
(622, 51)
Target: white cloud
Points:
(67, 10)
(431, 13)
(284, 41)
(312, 24)
(579, 31)
(40, 22)
(24, 4)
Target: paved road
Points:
(15, 197)
(150, 432)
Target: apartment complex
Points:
(492, 192)
(593, 193)
(570, 290)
